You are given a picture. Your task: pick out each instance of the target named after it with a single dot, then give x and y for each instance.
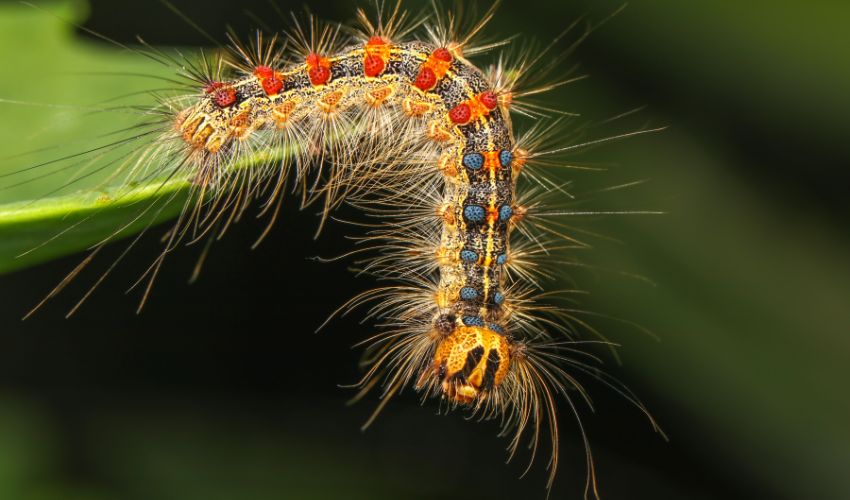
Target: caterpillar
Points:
(393, 118)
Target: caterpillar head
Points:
(470, 362)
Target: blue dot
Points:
(473, 161)
(498, 298)
(473, 321)
(496, 328)
(468, 256)
(506, 158)
(505, 213)
(501, 259)
(468, 293)
(473, 213)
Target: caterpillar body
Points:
(421, 140)
(476, 161)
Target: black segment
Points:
(473, 357)
(493, 361)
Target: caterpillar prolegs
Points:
(421, 141)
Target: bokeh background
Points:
(222, 391)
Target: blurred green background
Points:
(221, 391)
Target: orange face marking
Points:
(470, 362)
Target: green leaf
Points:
(68, 105)
(38, 231)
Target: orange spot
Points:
(263, 72)
(318, 69)
(376, 97)
(447, 164)
(442, 54)
(461, 114)
(433, 69)
(377, 53)
(373, 66)
(488, 99)
(215, 144)
(520, 159)
(270, 80)
(426, 79)
(282, 111)
(506, 99)
(445, 256)
(447, 214)
(519, 214)
(437, 132)
(492, 214)
(241, 125)
(329, 102)
(224, 97)
(201, 135)
(474, 109)
(190, 127)
(491, 160)
(211, 87)
(240, 120)
(415, 108)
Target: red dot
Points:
(373, 65)
(263, 72)
(376, 40)
(443, 54)
(224, 97)
(319, 75)
(211, 87)
(426, 79)
(460, 114)
(489, 99)
(273, 85)
(313, 59)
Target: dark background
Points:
(222, 390)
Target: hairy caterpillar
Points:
(413, 134)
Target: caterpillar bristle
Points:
(393, 24)
(421, 142)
